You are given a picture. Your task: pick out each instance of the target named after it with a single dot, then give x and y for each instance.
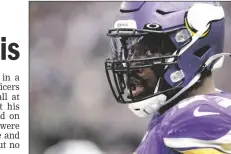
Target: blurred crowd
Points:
(72, 109)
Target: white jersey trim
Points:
(220, 143)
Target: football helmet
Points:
(158, 50)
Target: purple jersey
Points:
(202, 121)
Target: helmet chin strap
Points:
(148, 106)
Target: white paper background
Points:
(14, 26)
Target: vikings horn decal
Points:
(200, 15)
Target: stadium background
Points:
(71, 105)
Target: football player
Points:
(161, 61)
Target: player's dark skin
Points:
(143, 80)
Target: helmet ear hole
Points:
(200, 52)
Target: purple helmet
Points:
(189, 39)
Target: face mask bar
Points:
(115, 32)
